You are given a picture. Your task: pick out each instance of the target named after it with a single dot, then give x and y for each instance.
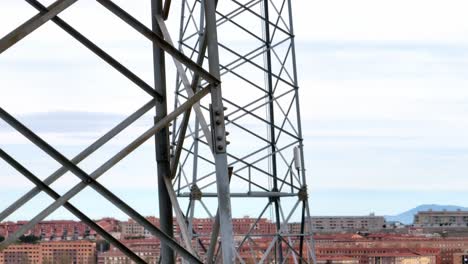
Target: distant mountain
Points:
(408, 216)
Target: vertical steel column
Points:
(301, 239)
(162, 143)
(219, 137)
(305, 221)
(271, 110)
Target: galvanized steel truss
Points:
(258, 64)
(262, 97)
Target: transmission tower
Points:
(260, 90)
(240, 146)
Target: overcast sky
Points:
(384, 95)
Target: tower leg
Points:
(162, 139)
(219, 136)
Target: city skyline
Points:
(435, 237)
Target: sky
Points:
(383, 88)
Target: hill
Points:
(408, 216)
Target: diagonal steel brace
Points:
(80, 157)
(157, 40)
(44, 187)
(90, 179)
(98, 51)
(34, 23)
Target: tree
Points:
(102, 245)
(31, 239)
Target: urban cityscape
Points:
(434, 237)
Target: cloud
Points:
(400, 20)
(70, 121)
(63, 128)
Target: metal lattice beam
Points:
(263, 72)
(262, 86)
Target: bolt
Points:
(220, 147)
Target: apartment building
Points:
(69, 252)
(441, 219)
(345, 223)
(54, 230)
(18, 254)
(131, 228)
(147, 249)
(57, 252)
(382, 255)
(339, 244)
(201, 226)
(50, 230)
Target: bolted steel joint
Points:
(195, 193)
(88, 180)
(218, 132)
(303, 194)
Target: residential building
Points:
(50, 230)
(345, 223)
(341, 244)
(398, 257)
(131, 229)
(56, 252)
(83, 252)
(336, 260)
(147, 249)
(19, 254)
(201, 226)
(441, 219)
(381, 255)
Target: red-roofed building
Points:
(83, 252)
(449, 247)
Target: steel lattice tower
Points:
(242, 54)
